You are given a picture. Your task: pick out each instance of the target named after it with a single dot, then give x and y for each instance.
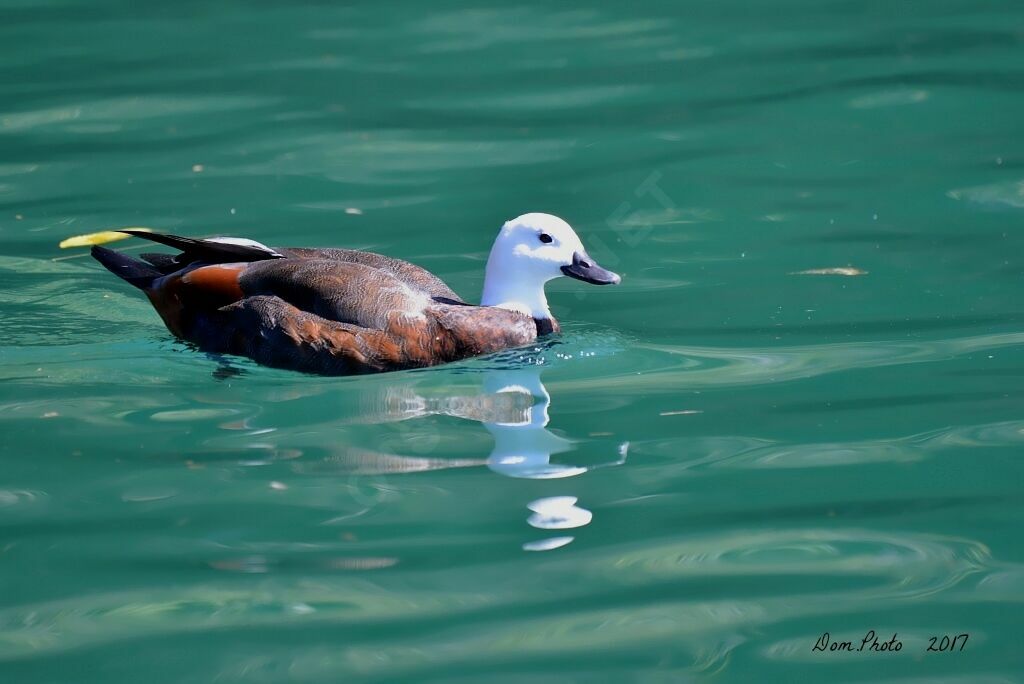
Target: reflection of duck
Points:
(523, 446)
(340, 311)
(513, 407)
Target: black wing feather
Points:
(205, 250)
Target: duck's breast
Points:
(483, 329)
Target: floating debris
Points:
(185, 415)
(147, 495)
(198, 168)
(838, 270)
(354, 211)
(683, 412)
(1007, 194)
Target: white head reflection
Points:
(524, 447)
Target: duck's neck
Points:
(508, 290)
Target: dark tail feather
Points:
(206, 250)
(138, 273)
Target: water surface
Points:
(720, 460)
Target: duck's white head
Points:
(531, 250)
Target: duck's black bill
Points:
(586, 269)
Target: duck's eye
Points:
(545, 238)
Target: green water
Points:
(758, 456)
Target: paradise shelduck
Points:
(343, 311)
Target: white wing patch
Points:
(244, 242)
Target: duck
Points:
(333, 311)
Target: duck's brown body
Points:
(328, 311)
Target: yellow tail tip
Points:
(100, 238)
